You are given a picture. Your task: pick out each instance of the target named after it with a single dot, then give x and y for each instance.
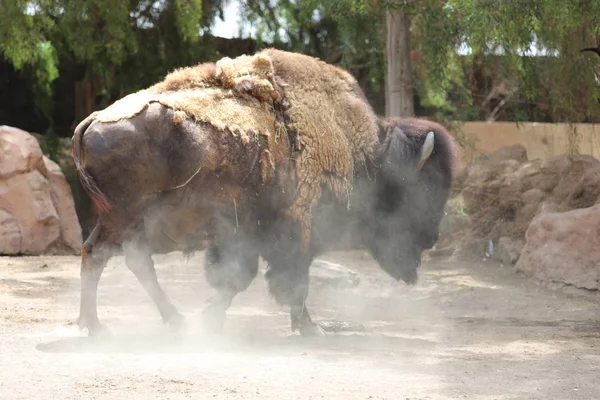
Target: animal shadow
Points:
(163, 342)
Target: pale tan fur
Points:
(336, 126)
(195, 77)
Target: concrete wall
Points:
(540, 139)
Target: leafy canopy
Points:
(100, 34)
(131, 43)
(560, 81)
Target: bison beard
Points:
(171, 183)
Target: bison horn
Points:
(426, 150)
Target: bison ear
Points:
(396, 144)
(426, 150)
(382, 133)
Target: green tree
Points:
(500, 34)
(122, 46)
(117, 44)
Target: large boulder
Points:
(509, 250)
(516, 152)
(564, 247)
(502, 192)
(37, 213)
(330, 274)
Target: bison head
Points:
(411, 190)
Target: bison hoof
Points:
(176, 322)
(311, 330)
(95, 329)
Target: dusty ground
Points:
(464, 332)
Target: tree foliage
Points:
(499, 34)
(561, 82)
(122, 46)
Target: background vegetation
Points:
(516, 60)
(449, 60)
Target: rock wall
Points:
(496, 198)
(37, 213)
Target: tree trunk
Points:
(85, 98)
(399, 91)
(386, 57)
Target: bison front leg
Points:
(288, 283)
(301, 320)
(288, 280)
(138, 257)
(94, 256)
(230, 270)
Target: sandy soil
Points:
(464, 332)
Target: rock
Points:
(501, 193)
(470, 249)
(548, 207)
(455, 218)
(532, 199)
(27, 198)
(516, 152)
(332, 274)
(37, 215)
(586, 192)
(564, 247)
(504, 196)
(341, 326)
(65, 206)
(546, 174)
(509, 250)
(20, 152)
(435, 252)
(579, 184)
(10, 233)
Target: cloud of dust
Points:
(380, 303)
(393, 217)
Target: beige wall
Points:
(540, 139)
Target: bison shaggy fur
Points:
(164, 181)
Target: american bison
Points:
(185, 166)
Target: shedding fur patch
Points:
(179, 117)
(245, 115)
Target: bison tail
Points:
(87, 181)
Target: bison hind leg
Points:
(138, 258)
(288, 280)
(95, 253)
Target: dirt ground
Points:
(464, 332)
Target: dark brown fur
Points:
(425, 192)
(89, 184)
(170, 187)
